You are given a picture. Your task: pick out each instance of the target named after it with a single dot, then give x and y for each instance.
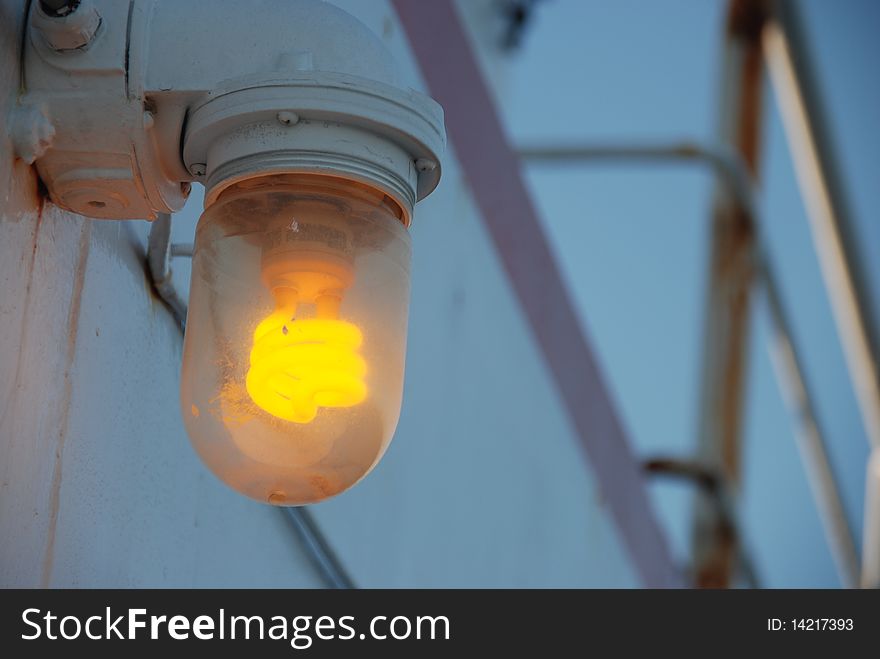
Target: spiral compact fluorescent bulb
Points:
(299, 365)
(293, 367)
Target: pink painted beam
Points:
(492, 168)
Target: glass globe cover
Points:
(296, 334)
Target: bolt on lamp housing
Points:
(313, 158)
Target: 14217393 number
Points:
(821, 624)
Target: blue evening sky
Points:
(633, 240)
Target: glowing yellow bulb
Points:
(297, 366)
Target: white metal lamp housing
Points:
(312, 156)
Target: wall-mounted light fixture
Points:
(312, 156)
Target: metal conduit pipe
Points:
(713, 487)
(871, 541)
(812, 447)
(722, 160)
(159, 263)
(182, 250)
(318, 550)
(834, 232)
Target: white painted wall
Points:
(483, 485)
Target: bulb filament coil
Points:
(298, 366)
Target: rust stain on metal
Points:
(67, 389)
(731, 274)
(716, 570)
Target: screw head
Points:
(287, 118)
(93, 199)
(198, 169)
(425, 165)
